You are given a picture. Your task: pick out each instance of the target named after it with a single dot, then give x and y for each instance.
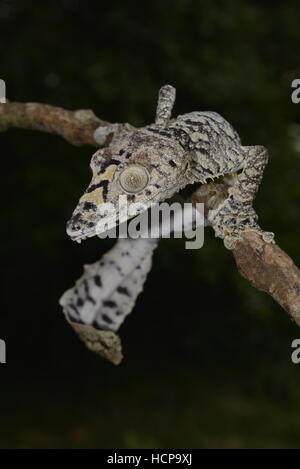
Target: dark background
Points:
(207, 357)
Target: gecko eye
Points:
(134, 179)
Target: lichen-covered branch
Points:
(263, 264)
(77, 127)
(270, 269)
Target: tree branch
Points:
(264, 265)
(77, 127)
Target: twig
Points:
(77, 127)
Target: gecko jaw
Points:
(81, 237)
(107, 223)
(102, 226)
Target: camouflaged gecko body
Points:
(145, 167)
(149, 165)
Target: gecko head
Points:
(132, 174)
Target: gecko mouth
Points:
(103, 226)
(106, 223)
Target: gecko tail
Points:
(106, 293)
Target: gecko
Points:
(144, 167)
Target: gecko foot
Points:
(232, 219)
(230, 241)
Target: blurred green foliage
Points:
(207, 357)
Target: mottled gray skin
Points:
(108, 289)
(160, 159)
(194, 147)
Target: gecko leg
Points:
(236, 214)
(166, 99)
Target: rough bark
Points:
(264, 265)
(77, 127)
